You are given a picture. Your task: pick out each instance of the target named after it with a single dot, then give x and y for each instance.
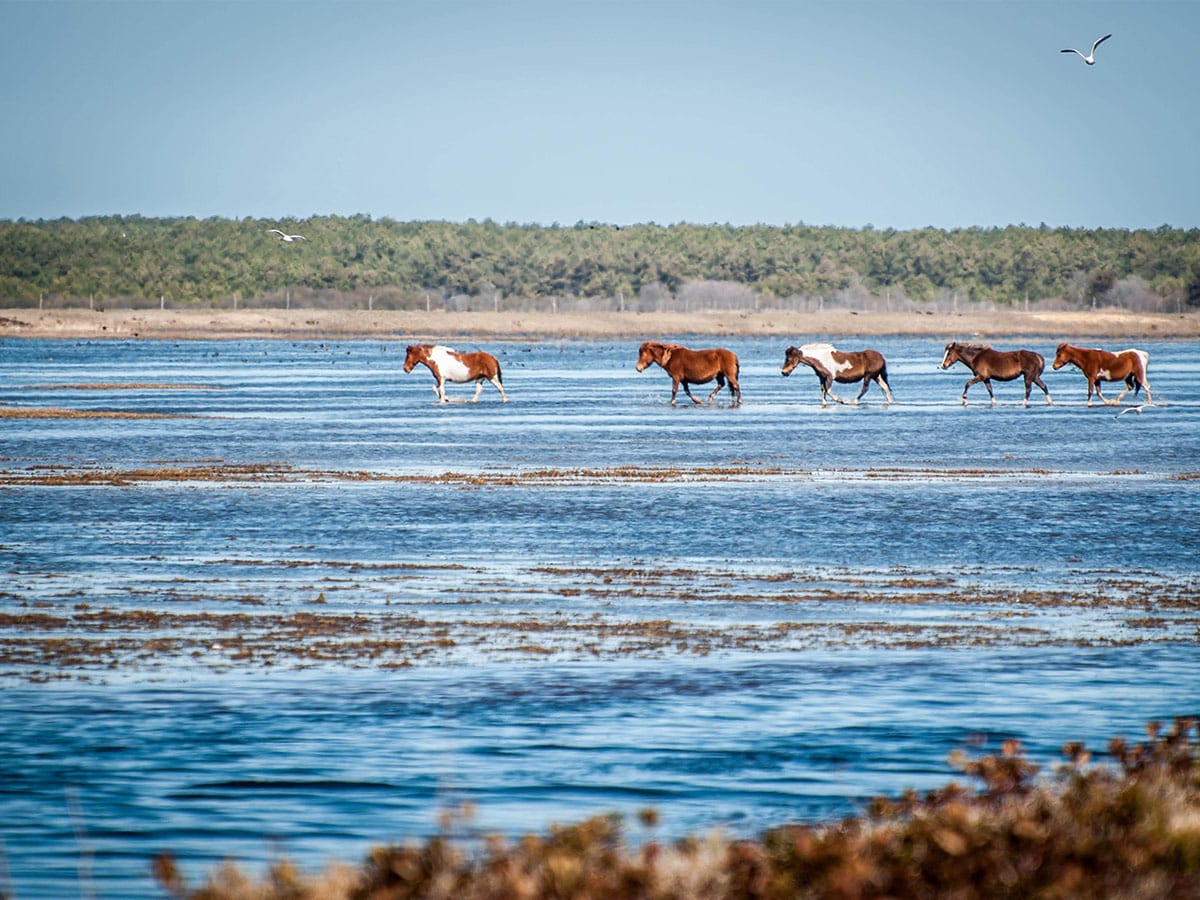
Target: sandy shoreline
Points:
(202, 324)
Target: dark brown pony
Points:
(459, 368)
(688, 367)
(1003, 365)
(1101, 365)
(844, 367)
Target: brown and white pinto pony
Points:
(689, 367)
(1101, 365)
(1003, 365)
(459, 368)
(844, 367)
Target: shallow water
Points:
(738, 617)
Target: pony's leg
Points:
(440, 389)
(1037, 379)
(675, 390)
(1104, 399)
(883, 386)
(866, 386)
(478, 390)
(691, 396)
(987, 383)
(967, 387)
(1132, 384)
(1146, 388)
(496, 383)
(735, 390)
(717, 389)
(1028, 388)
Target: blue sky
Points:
(897, 114)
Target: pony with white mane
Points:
(458, 368)
(844, 367)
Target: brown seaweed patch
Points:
(124, 386)
(51, 412)
(572, 477)
(48, 476)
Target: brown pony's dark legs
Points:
(1037, 379)
(987, 383)
(717, 389)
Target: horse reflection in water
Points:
(1102, 365)
(844, 367)
(459, 368)
(1002, 365)
(689, 367)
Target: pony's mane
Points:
(973, 348)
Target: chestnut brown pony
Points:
(844, 367)
(459, 368)
(1102, 365)
(1002, 365)
(688, 367)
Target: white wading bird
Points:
(287, 237)
(1090, 59)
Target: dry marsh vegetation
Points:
(1127, 829)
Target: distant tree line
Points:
(358, 260)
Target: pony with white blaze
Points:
(844, 367)
(458, 368)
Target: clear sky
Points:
(899, 113)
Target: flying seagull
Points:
(288, 238)
(1090, 59)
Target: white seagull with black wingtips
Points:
(1090, 59)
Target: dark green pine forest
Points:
(358, 261)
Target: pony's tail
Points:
(1139, 378)
(499, 374)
